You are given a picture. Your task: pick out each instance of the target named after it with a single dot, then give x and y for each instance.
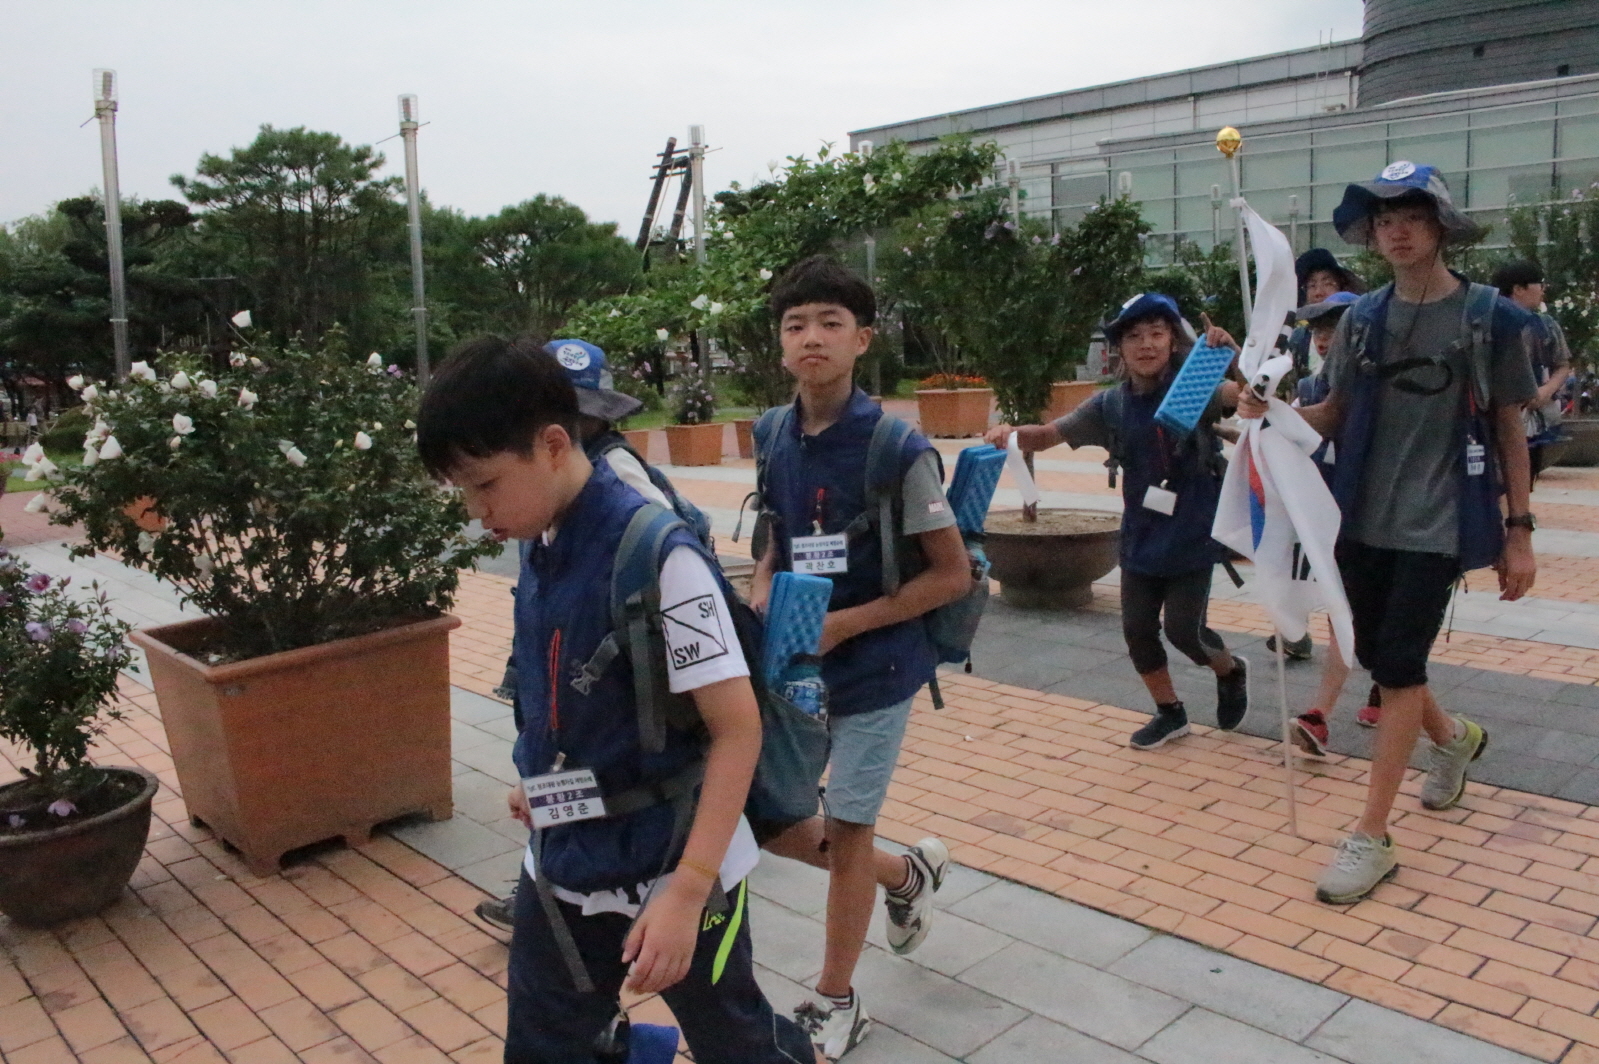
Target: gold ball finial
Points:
(1228, 141)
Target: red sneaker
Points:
(1371, 713)
(1310, 733)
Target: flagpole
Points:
(1288, 744)
(1228, 141)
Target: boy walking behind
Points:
(1428, 376)
(1522, 283)
(875, 647)
(648, 835)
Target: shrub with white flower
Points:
(59, 658)
(263, 514)
(693, 401)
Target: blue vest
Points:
(883, 666)
(560, 620)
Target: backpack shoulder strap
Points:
(883, 479)
(1110, 412)
(1481, 303)
(604, 444)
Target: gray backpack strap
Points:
(883, 485)
(636, 616)
(558, 927)
(1481, 300)
(1110, 412)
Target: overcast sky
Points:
(571, 99)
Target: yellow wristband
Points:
(684, 862)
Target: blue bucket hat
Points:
(586, 368)
(1142, 307)
(1352, 217)
(1334, 305)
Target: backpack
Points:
(1197, 452)
(691, 515)
(952, 627)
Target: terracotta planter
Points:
(1038, 568)
(1066, 396)
(47, 877)
(744, 429)
(957, 412)
(142, 512)
(695, 445)
(281, 751)
(639, 440)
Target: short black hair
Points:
(491, 395)
(823, 279)
(1512, 275)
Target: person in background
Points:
(1522, 283)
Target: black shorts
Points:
(1398, 599)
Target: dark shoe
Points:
(1232, 695)
(1162, 728)
(1294, 650)
(499, 912)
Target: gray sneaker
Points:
(1360, 864)
(1446, 766)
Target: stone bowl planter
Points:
(1582, 448)
(1066, 396)
(953, 412)
(1051, 564)
(695, 445)
(48, 877)
(744, 429)
(277, 752)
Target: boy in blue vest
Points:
(1170, 488)
(636, 872)
(1428, 377)
(876, 650)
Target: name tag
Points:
(1160, 500)
(563, 797)
(1476, 462)
(821, 555)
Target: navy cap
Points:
(1334, 305)
(1352, 217)
(1142, 307)
(586, 367)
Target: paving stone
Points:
(792, 884)
(884, 1045)
(1363, 1033)
(950, 1016)
(1036, 1040)
(953, 944)
(1582, 786)
(785, 941)
(453, 843)
(497, 875)
(1050, 924)
(1258, 996)
(470, 707)
(1203, 1037)
(1095, 1003)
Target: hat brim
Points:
(607, 404)
(1315, 311)
(1352, 217)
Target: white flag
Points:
(1275, 509)
(242, 319)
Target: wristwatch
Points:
(1527, 521)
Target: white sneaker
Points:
(834, 1031)
(909, 919)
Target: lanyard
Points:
(554, 670)
(1160, 445)
(816, 513)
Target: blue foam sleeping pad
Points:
(1190, 392)
(971, 489)
(650, 1043)
(795, 612)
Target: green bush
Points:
(67, 432)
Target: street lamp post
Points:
(1293, 223)
(105, 109)
(1215, 215)
(409, 123)
(696, 164)
(1228, 141)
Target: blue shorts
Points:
(865, 751)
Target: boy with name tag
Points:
(1169, 495)
(875, 646)
(635, 875)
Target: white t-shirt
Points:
(631, 472)
(702, 648)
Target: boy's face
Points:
(1528, 296)
(1407, 234)
(1320, 285)
(1146, 348)
(519, 496)
(821, 342)
(1322, 334)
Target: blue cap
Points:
(1334, 304)
(1352, 217)
(586, 368)
(1142, 307)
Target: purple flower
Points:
(38, 631)
(37, 582)
(63, 582)
(17, 822)
(77, 627)
(958, 214)
(396, 371)
(61, 807)
(5, 599)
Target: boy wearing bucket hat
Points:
(1427, 378)
(1170, 490)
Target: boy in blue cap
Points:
(1169, 493)
(1427, 376)
(875, 646)
(635, 875)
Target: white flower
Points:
(34, 454)
(205, 563)
(374, 363)
(283, 446)
(870, 182)
(90, 393)
(363, 442)
(111, 449)
(616, 312)
(247, 398)
(175, 442)
(237, 360)
(100, 431)
(37, 505)
(76, 382)
(90, 455)
(766, 275)
(146, 542)
(377, 426)
(182, 424)
(41, 469)
(410, 424)
(242, 319)
(716, 308)
(255, 363)
(180, 381)
(141, 371)
(295, 456)
(662, 335)
(208, 389)
(700, 301)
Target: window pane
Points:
(1195, 178)
(1528, 184)
(1343, 163)
(1512, 145)
(1149, 182)
(1194, 213)
(1579, 137)
(1446, 151)
(1276, 170)
(1081, 190)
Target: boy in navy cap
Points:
(1427, 377)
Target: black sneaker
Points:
(499, 912)
(1293, 649)
(1232, 695)
(1167, 724)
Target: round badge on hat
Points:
(1398, 171)
(572, 356)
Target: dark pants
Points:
(1185, 600)
(1397, 599)
(726, 1020)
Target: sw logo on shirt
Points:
(693, 632)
